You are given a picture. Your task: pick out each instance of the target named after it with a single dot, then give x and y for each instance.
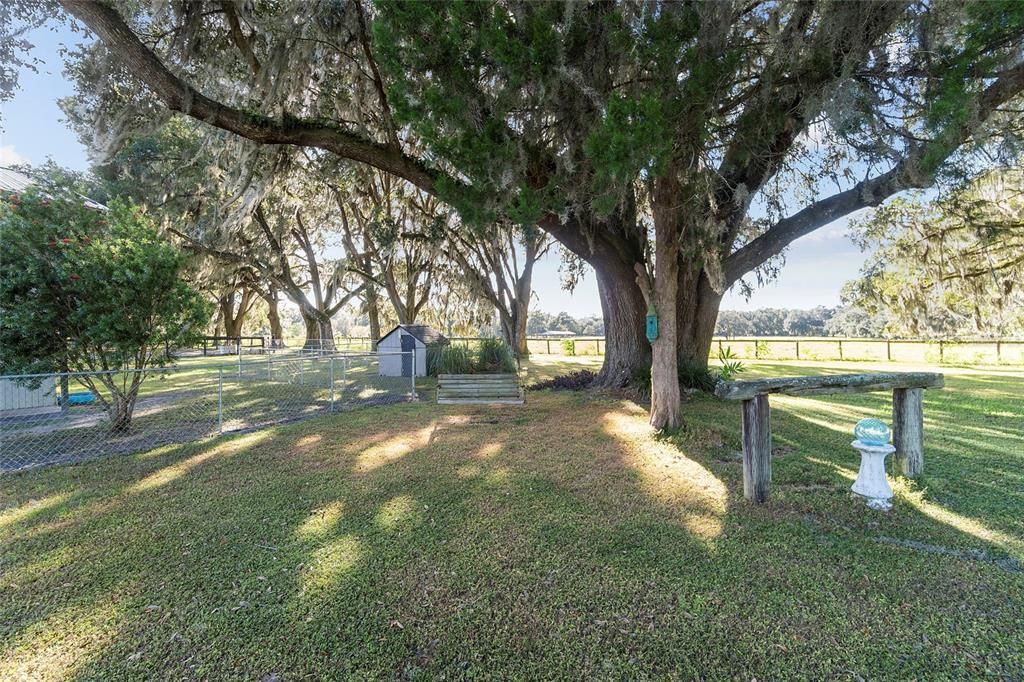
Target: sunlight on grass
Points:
(848, 474)
(468, 471)
(669, 475)
(170, 473)
(307, 442)
(15, 515)
(964, 524)
(321, 521)
(331, 562)
(397, 511)
(48, 563)
(837, 417)
(489, 450)
(57, 647)
(394, 448)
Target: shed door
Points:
(408, 354)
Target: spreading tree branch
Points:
(180, 96)
(916, 170)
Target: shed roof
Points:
(423, 332)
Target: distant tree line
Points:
(540, 322)
(849, 321)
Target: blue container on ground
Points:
(81, 398)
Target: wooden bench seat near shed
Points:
(907, 417)
(466, 389)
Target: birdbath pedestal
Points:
(871, 483)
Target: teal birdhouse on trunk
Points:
(652, 325)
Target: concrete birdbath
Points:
(872, 441)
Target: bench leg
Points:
(757, 449)
(908, 431)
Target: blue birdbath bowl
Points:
(871, 432)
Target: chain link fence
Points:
(50, 419)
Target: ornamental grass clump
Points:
(449, 359)
(494, 357)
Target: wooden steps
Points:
(471, 389)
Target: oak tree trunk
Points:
(274, 317)
(697, 314)
(319, 331)
(627, 352)
(373, 315)
(520, 346)
(233, 327)
(513, 327)
(665, 406)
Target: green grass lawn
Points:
(558, 540)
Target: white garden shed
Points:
(22, 399)
(394, 358)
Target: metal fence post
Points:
(412, 387)
(302, 378)
(270, 367)
(239, 363)
(332, 383)
(220, 400)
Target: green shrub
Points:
(696, 376)
(569, 347)
(494, 356)
(691, 376)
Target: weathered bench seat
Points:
(454, 389)
(907, 416)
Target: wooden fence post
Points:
(757, 448)
(840, 349)
(908, 431)
(798, 350)
(888, 350)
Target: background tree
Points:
(92, 291)
(950, 265)
(851, 321)
(378, 213)
(497, 262)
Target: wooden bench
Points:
(907, 417)
(479, 389)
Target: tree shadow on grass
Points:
(560, 540)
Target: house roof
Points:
(13, 181)
(17, 182)
(423, 332)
